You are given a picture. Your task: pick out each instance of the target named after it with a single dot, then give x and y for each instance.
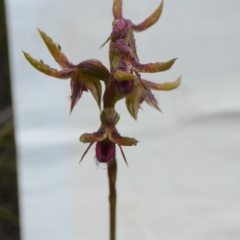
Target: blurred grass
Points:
(9, 223)
(8, 184)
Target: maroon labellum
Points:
(105, 151)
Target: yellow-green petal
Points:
(117, 9)
(122, 141)
(167, 86)
(120, 75)
(100, 135)
(150, 20)
(55, 50)
(153, 67)
(44, 68)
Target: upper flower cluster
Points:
(122, 81)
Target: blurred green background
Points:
(9, 223)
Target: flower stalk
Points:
(112, 176)
(122, 81)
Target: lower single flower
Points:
(106, 138)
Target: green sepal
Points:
(133, 99)
(94, 86)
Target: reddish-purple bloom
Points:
(142, 92)
(107, 137)
(84, 76)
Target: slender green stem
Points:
(112, 175)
